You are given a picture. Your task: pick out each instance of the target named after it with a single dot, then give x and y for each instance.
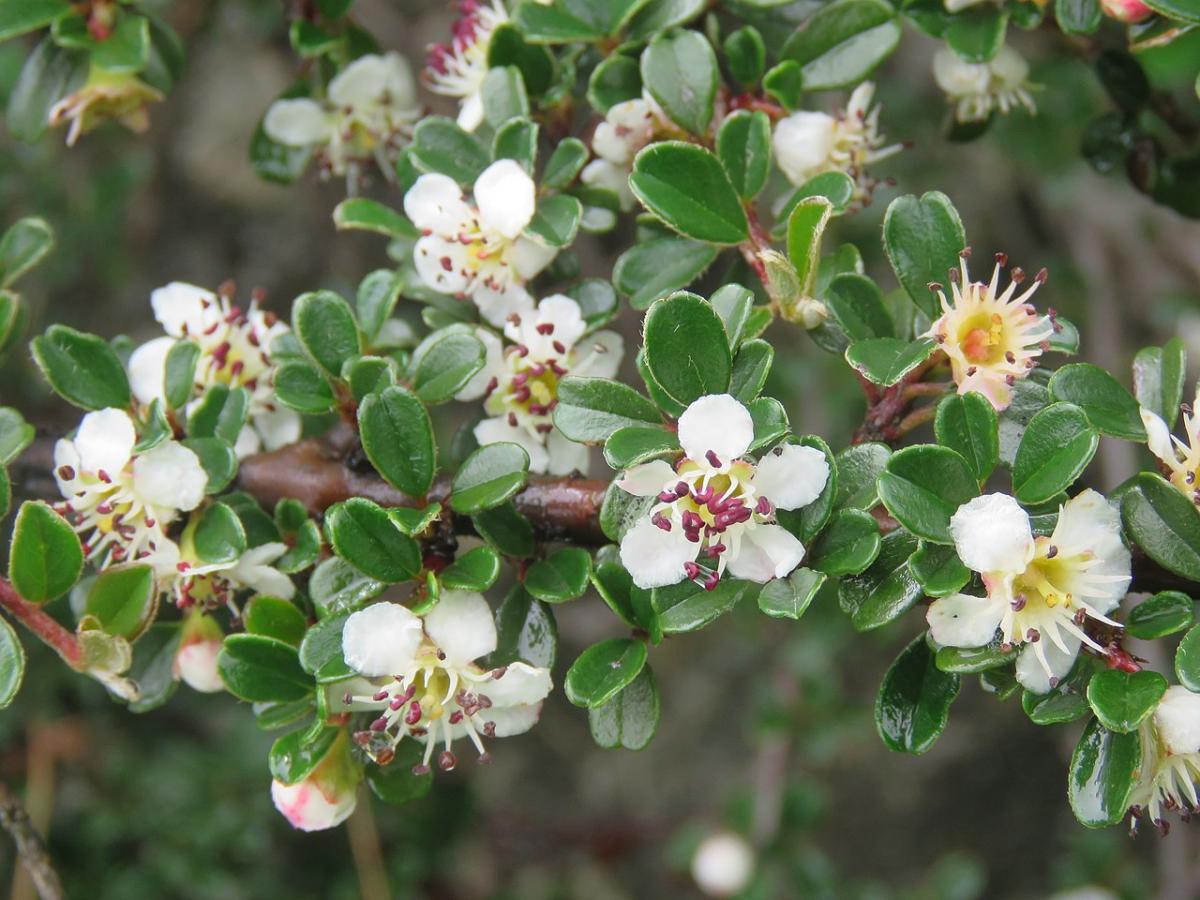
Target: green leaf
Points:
(629, 719)
(634, 444)
(1063, 703)
(321, 649)
(219, 536)
(82, 368)
(325, 325)
(687, 350)
(543, 24)
(49, 74)
(217, 458)
(45, 557)
(680, 72)
(446, 366)
(1185, 10)
(505, 529)
(179, 373)
(507, 47)
(615, 80)
(657, 267)
(751, 367)
(784, 83)
(686, 187)
(277, 618)
(1167, 612)
(15, 434)
(361, 214)
(652, 16)
(914, 700)
(25, 243)
(294, 756)
(885, 360)
(556, 220)
(476, 570)
(734, 305)
(439, 145)
(220, 414)
(924, 486)
(938, 570)
(1078, 16)
(337, 587)
(857, 305)
(1164, 523)
(261, 669)
(488, 477)
(1107, 405)
(859, 467)
(1187, 660)
(1122, 700)
(923, 238)
(842, 43)
(688, 607)
(744, 148)
(398, 439)
(1029, 397)
(12, 664)
(589, 410)
(18, 17)
(770, 422)
(1158, 375)
(302, 387)
(123, 600)
(564, 164)
(973, 660)
(503, 94)
(12, 319)
(526, 631)
(397, 783)
(745, 54)
(967, 424)
(849, 543)
(977, 34)
(368, 375)
(603, 670)
(375, 300)
(886, 589)
(788, 598)
(562, 576)
(1054, 450)
(362, 534)
(1104, 770)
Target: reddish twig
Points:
(33, 617)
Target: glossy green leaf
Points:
(45, 557)
(1164, 523)
(629, 719)
(688, 607)
(488, 477)
(923, 238)
(680, 72)
(1187, 660)
(275, 617)
(1158, 376)
(859, 467)
(886, 589)
(123, 600)
(325, 325)
(788, 598)
(398, 439)
(1104, 770)
(967, 424)
(446, 366)
(439, 145)
(12, 664)
(634, 444)
(261, 669)
(1167, 612)
(82, 368)
(657, 267)
(923, 486)
(591, 409)
(1122, 700)
(362, 534)
(1108, 406)
(842, 43)
(686, 187)
(604, 670)
(885, 360)
(302, 387)
(848, 544)
(687, 350)
(475, 570)
(505, 529)
(562, 576)
(914, 700)
(1056, 447)
(938, 570)
(26, 242)
(744, 148)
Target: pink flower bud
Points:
(326, 796)
(196, 659)
(1126, 10)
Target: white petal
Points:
(766, 552)
(506, 196)
(170, 476)
(470, 116)
(958, 78)
(961, 620)
(716, 422)
(401, 86)
(278, 427)
(435, 203)
(1032, 675)
(1088, 523)
(495, 431)
(599, 355)
(462, 626)
(802, 143)
(655, 557)
(196, 666)
(521, 684)
(297, 123)
(564, 456)
(307, 808)
(496, 305)
(528, 257)
(65, 455)
(247, 443)
(564, 314)
(992, 534)
(512, 720)
(362, 82)
(493, 364)
(1009, 68)
(147, 369)
(792, 476)
(181, 307)
(648, 479)
(1159, 436)
(1177, 719)
(381, 639)
(607, 176)
(443, 265)
(105, 440)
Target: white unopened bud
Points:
(723, 865)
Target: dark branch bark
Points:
(30, 848)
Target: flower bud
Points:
(1126, 10)
(196, 659)
(105, 95)
(803, 143)
(723, 865)
(326, 796)
(783, 287)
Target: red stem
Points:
(41, 624)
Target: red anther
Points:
(544, 429)
(713, 579)
(691, 570)
(380, 695)
(456, 717)
(512, 419)
(1002, 259)
(413, 716)
(519, 379)
(661, 521)
(103, 476)
(667, 497)
(523, 351)
(489, 729)
(66, 473)
(420, 769)
(713, 459)
(379, 724)
(1041, 276)
(545, 328)
(681, 489)
(559, 347)
(763, 507)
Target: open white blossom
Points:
(522, 385)
(476, 249)
(1040, 591)
(809, 143)
(627, 128)
(369, 112)
(457, 69)
(992, 338)
(716, 507)
(1180, 461)
(1170, 757)
(978, 89)
(235, 351)
(195, 582)
(429, 685)
(118, 500)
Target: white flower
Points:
(430, 686)
(476, 250)
(369, 112)
(1180, 461)
(991, 338)
(1170, 756)
(522, 381)
(717, 505)
(723, 864)
(120, 502)
(326, 796)
(1040, 591)
(976, 89)
(458, 69)
(235, 351)
(810, 143)
(627, 128)
(193, 582)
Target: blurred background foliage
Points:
(766, 725)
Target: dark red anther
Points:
(545, 328)
(66, 473)
(713, 459)
(413, 716)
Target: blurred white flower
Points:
(1180, 461)
(194, 582)
(521, 384)
(716, 508)
(1170, 757)
(723, 864)
(457, 69)
(977, 89)
(627, 128)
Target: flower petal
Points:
(766, 552)
(528, 258)
(462, 626)
(381, 639)
(278, 427)
(495, 431)
(1089, 524)
(196, 666)
(716, 422)
(493, 364)
(105, 440)
(792, 476)
(496, 304)
(648, 479)
(170, 476)
(470, 116)
(1032, 665)
(361, 83)
(506, 196)
(1159, 436)
(521, 684)
(655, 557)
(599, 355)
(181, 307)
(435, 203)
(1177, 719)
(512, 720)
(307, 808)
(802, 143)
(443, 265)
(147, 369)
(564, 456)
(991, 534)
(961, 620)
(299, 122)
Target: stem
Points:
(916, 419)
(367, 853)
(33, 617)
(30, 848)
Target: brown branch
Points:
(30, 848)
